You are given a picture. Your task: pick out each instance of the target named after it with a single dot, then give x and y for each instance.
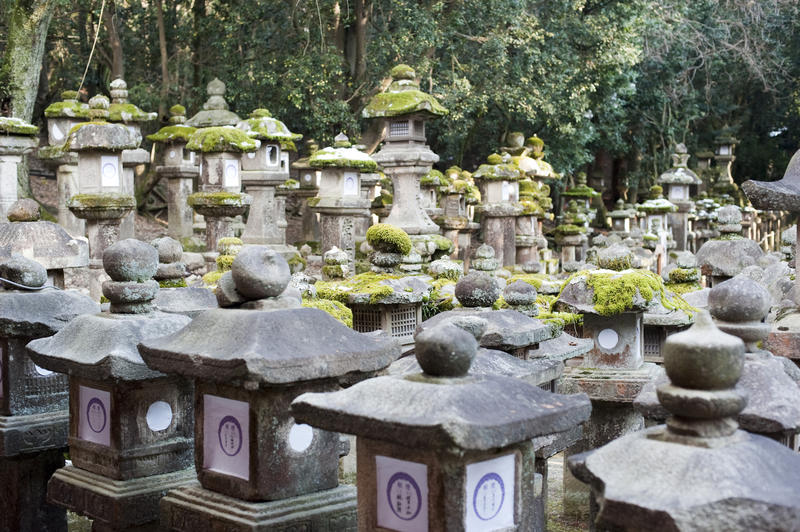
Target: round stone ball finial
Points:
(739, 306)
(119, 91)
(24, 210)
(215, 87)
(169, 249)
(259, 273)
(341, 141)
(131, 264)
(23, 271)
(98, 107)
(177, 114)
(520, 293)
(477, 289)
(445, 350)
(403, 71)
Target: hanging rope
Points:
(91, 53)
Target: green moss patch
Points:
(396, 101)
(67, 109)
(342, 158)
(172, 283)
(335, 308)
(364, 283)
(16, 126)
(216, 198)
(127, 112)
(176, 133)
(221, 139)
(389, 239)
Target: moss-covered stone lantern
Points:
(130, 428)
(122, 111)
(621, 219)
(17, 138)
(33, 400)
(498, 180)
(405, 157)
(220, 198)
(461, 459)
(61, 118)
(339, 202)
(677, 181)
(259, 469)
(263, 171)
(101, 199)
(180, 167)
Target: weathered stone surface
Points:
(519, 293)
(268, 347)
(782, 195)
(189, 301)
(445, 350)
(507, 330)
(643, 483)
(475, 412)
(726, 258)
(130, 260)
(103, 346)
(45, 242)
(24, 210)
(169, 249)
(477, 289)
(260, 272)
(227, 295)
(23, 271)
(39, 314)
(562, 347)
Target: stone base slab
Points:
(784, 339)
(192, 508)
(114, 504)
(608, 385)
(33, 433)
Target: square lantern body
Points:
(408, 128)
(100, 172)
(309, 178)
(419, 490)
(678, 192)
(176, 154)
(340, 182)
(58, 129)
(656, 223)
(455, 206)
(248, 446)
(130, 429)
(267, 157)
(25, 388)
(621, 225)
(221, 171)
(399, 321)
(618, 340)
(499, 191)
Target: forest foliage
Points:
(624, 79)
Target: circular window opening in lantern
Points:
(608, 338)
(41, 371)
(300, 437)
(159, 416)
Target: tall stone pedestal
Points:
(23, 495)
(12, 149)
(180, 185)
(67, 184)
(130, 160)
(192, 508)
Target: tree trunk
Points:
(162, 45)
(117, 58)
(198, 13)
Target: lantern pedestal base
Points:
(192, 508)
(33, 433)
(25, 508)
(114, 504)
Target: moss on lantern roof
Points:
(99, 134)
(403, 97)
(170, 134)
(127, 112)
(388, 239)
(581, 191)
(103, 201)
(261, 125)
(69, 108)
(342, 158)
(232, 199)
(498, 168)
(657, 206)
(364, 283)
(177, 109)
(16, 126)
(569, 229)
(434, 178)
(335, 308)
(221, 139)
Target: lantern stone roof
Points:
(498, 168)
(679, 174)
(446, 405)
(342, 155)
(121, 110)
(403, 97)
(98, 134)
(215, 111)
(68, 107)
(782, 195)
(16, 126)
(221, 139)
(45, 242)
(262, 126)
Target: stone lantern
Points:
(263, 171)
(571, 235)
(220, 198)
(180, 167)
(677, 182)
(455, 221)
(174, 296)
(583, 194)
(462, 459)
(430, 186)
(258, 469)
(33, 400)
(122, 111)
(699, 472)
(498, 183)
(130, 428)
(621, 219)
(722, 258)
(45, 242)
(405, 157)
(723, 155)
(339, 202)
(17, 138)
(101, 199)
(304, 227)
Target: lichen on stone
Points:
(231, 199)
(102, 201)
(365, 283)
(221, 139)
(16, 126)
(389, 239)
(127, 112)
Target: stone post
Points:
(33, 400)
(130, 428)
(16, 139)
(498, 181)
